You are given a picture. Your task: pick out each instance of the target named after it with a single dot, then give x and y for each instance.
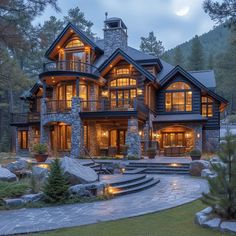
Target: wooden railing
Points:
(58, 106)
(75, 66)
(24, 118)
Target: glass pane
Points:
(168, 102)
(178, 101)
(189, 101)
(204, 110)
(210, 110)
(122, 71)
(178, 86)
(204, 99)
(113, 138)
(113, 83)
(133, 82)
(68, 137)
(74, 43)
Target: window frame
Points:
(208, 103)
(185, 92)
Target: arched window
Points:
(178, 97)
(74, 43)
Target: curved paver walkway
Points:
(170, 192)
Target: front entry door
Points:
(117, 138)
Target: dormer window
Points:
(178, 97)
(74, 43)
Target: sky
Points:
(173, 21)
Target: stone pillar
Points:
(17, 141)
(44, 130)
(146, 137)
(198, 137)
(211, 140)
(93, 143)
(76, 132)
(133, 139)
(30, 138)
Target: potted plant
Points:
(151, 152)
(40, 152)
(195, 154)
(124, 150)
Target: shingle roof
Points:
(206, 77)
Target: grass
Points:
(173, 222)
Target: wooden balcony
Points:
(24, 118)
(71, 66)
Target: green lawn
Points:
(174, 222)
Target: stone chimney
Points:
(115, 35)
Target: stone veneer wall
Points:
(93, 142)
(72, 118)
(146, 138)
(133, 139)
(211, 140)
(195, 126)
(113, 39)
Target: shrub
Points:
(222, 194)
(195, 152)
(40, 148)
(56, 187)
(13, 189)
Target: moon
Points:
(182, 11)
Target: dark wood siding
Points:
(214, 121)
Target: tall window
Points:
(178, 97)
(23, 139)
(207, 106)
(64, 134)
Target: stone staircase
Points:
(122, 185)
(156, 168)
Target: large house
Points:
(104, 94)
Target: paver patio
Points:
(170, 192)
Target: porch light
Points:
(105, 93)
(198, 135)
(139, 91)
(111, 65)
(105, 134)
(140, 133)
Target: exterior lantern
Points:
(139, 91)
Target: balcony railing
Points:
(75, 66)
(109, 105)
(24, 118)
(58, 106)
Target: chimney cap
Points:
(114, 22)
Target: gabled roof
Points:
(187, 75)
(121, 53)
(206, 77)
(82, 35)
(29, 93)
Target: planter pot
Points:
(152, 155)
(41, 157)
(196, 158)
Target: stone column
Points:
(133, 139)
(198, 137)
(76, 132)
(93, 143)
(44, 130)
(146, 138)
(211, 140)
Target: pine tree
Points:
(196, 58)
(56, 188)
(151, 45)
(210, 62)
(222, 195)
(178, 57)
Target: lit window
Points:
(123, 82)
(207, 106)
(178, 97)
(23, 139)
(122, 71)
(74, 43)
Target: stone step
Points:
(134, 171)
(137, 188)
(166, 172)
(159, 164)
(158, 168)
(134, 184)
(127, 180)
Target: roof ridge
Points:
(196, 71)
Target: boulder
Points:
(6, 175)
(14, 202)
(88, 190)
(196, 167)
(212, 223)
(202, 216)
(206, 173)
(17, 165)
(228, 226)
(77, 173)
(40, 173)
(33, 197)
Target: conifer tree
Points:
(56, 188)
(196, 58)
(222, 194)
(178, 57)
(151, 45)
